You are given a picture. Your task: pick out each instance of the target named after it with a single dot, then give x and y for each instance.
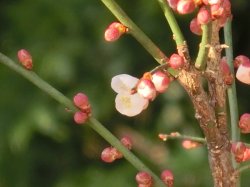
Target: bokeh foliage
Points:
(39, 143)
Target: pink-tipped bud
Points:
(25, 59)
(185, 6)
(176, 61)
(110, 154)
(195, 27)
(188, 144)
(82, 102)
(203, 16)
(243, 73)
(146, 88)
(167, 177)
(127, 142)
(143, 178)
(238, 149)
(241, 59)
(173, 4)
(161, 81)
(246, 155)
(226, 72)
(114, 31)
(80, 117)
(244, 123)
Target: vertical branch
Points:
(178, 36)
(231, 91)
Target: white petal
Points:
(123, 83)
(243, 74)
(130, 105)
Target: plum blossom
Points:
(127, 102)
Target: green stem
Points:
(36, 80)
(135, 31)
(93, 123)
(231, 91)
(200, 62)
(232, 96)
(178, 36)
(176, 135)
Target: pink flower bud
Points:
(81, 101)
(246, 155)
(195, 27)
(185, 6)
(203, 16)
(146, 88)
(143, 178)
(25, 58)
(226, 72)
(243, 73)
(127, 142)
(168, 178)
(114, 31)
(241, 59)
(80, 117)
(109, 154)
(244, 123)
(176, 61)
(173, 4)
(161, 81)
(238, 149)
(188, 144)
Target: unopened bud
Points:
(143, 178)
(244, 123)
(127, 142)
(109, 154)
(114, 31)
(238, 149)
(25, 58)
(80, 117)
(161, 81)
(176, 61)
(188, 144)
(195, 27)
(167, 177)
(185, 6)
(146, 88)
(203, 16)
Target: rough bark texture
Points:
(210, 111)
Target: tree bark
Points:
(210, 111)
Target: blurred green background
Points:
(39, 143)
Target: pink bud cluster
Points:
(25, 59)
(114, 31)
(241, 152)
(81, 101)
(110, 154)
(208, 10)
(243, 72)
(151, 84)
(144, 179)
(244, 123)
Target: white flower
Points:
(125, 102)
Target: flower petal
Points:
(123, 83)
(130, 105)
